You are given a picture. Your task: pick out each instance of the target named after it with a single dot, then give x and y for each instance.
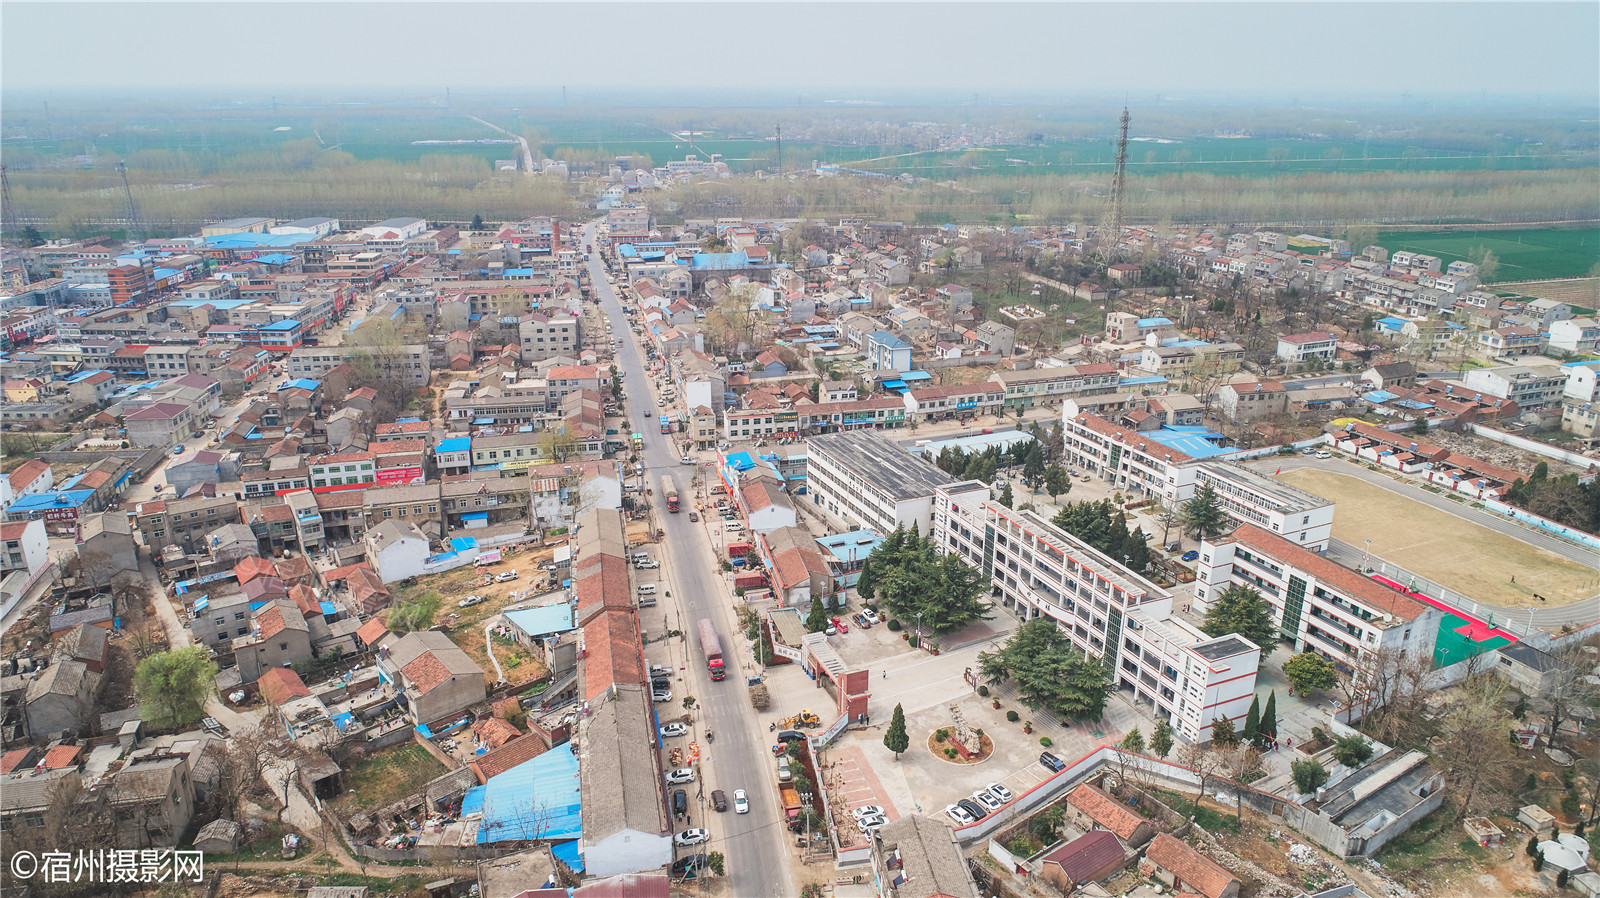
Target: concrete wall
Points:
(1534, 446)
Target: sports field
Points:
(1524, 255)
(1471, 559)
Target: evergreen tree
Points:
(1241, 610)
(1006, 497)
(1269, 716)
(1533, 845)
(477, 223)
(1538, 861)
(1161, 739)
(1033, 465)
(1309, 670)
(864, 581)
(1203, 514)
(1252, 722)
(1562, 878)
(1308, 775)
(1057, 481)
(895, 738)
(1133, 742)
(1222, 733)
(817, 620)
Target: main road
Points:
(753, 843)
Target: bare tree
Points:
(1476, 752)
(1565, 686)
(1242, 764)
(1204, 762)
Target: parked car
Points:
(680, 801)
(660, 696)
(1190, 555)
(649, 565)
(1055, 764)
(868, 824)
(862, 622)
(977, 811)
(872, 616)
(840, 625)
(1324, 454)
(735, 526)
(1000, 792)
(867, 810)
(959, 815)
(680, 776)
(831, 631)
(741, 802)
(469, 601)
(989, 802)
(505, 576)
(787, 736)
(784, 773)
(671, 730)
(683, 865)
(657, 670)
(694, 517)
(719, 800)
(690, 837)
(686, 460)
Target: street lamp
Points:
(1364, 557)
(919, 629)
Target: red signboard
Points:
(61, 514)
(399, 475)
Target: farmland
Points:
(1524, 255)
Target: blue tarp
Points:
(537, 799)
(1195, 442)
(463, 543)
(475, 516)
(329, 609)
(454, 444)
(423, 731)
(343, 721)
(1378, 396)
(740, 461)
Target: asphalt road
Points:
(757, 859)
(1582, 612)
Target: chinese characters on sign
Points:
(110, 865)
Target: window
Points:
(220, 621)
(237, 615)
(243, 630)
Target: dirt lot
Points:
(1575, 291)
(1497, 453)
(1468, 558)
(466, 624)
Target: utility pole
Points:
(127, 192)
(780, 150)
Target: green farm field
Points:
(1524, 255)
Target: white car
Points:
(661, 696)
(469, 601)
(741, 802)
(1324, 454)
(989, 802)
(680, 776)
(657, 670)
(735, 526)
(673, 729)
(867, 810)
(686, 460)
(868, 824)
(691, 837)
(959, 815)
(1000, 792)
(649, 565)
(872, 617)
(505, 577)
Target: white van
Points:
(646, 601)
(647, 589)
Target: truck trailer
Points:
(712, 646)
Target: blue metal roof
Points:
(1141, 381)
(1193, 441)
(542, 621)
(853, 546)
(916, 376)
(720, 261)
(251, 241)
(537, 799)
(1379, 396)
(567, 853)
(1154, 322)
(740, 461)
(889, 340)
(287, 324)
(463, 543)
(454, 444)
(47, 501)
(304, 383)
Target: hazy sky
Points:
(1191, 48)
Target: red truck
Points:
(750, 581)
(712, 646)
(669, 491)
(738, 550)
(790, 800)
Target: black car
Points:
(719, 800)
(1049, 760)
(661, 682)
(977, 811)
(790, 736)
(680, 801)
(689, 862)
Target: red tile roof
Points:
(509, 755)
(1363, 589)
(280, 684)
(1193, 870)
(13, 529)
(61, 757)
(26, 473)
(495, 731)
(1115, 816)
(612, 653)
(425, 672)
(251, 568)
(1086, 855)
(370, 632)
(14, 759)
(270, 622)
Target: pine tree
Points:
(1133, 742)
(1533, 846)
(896, 739)
(1222, 733)
(1561, 879)
(1269, 716)
(1252, 722)
(477, 223)
(1161, 739)
(817, 620)
(1538, 861)
(1006, 498)
(1241, 610)
(1203, 514)
(865, 581)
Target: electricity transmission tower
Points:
(133, 211)
(8, 226)
(780, 150)
(1111, 232)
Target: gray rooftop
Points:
(882, 463)
(930, 860)
(1388, 782)
(1283, 498)
(1223, 647)
(621, 785)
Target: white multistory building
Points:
(1164, 663)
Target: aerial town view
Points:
(777, 450)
